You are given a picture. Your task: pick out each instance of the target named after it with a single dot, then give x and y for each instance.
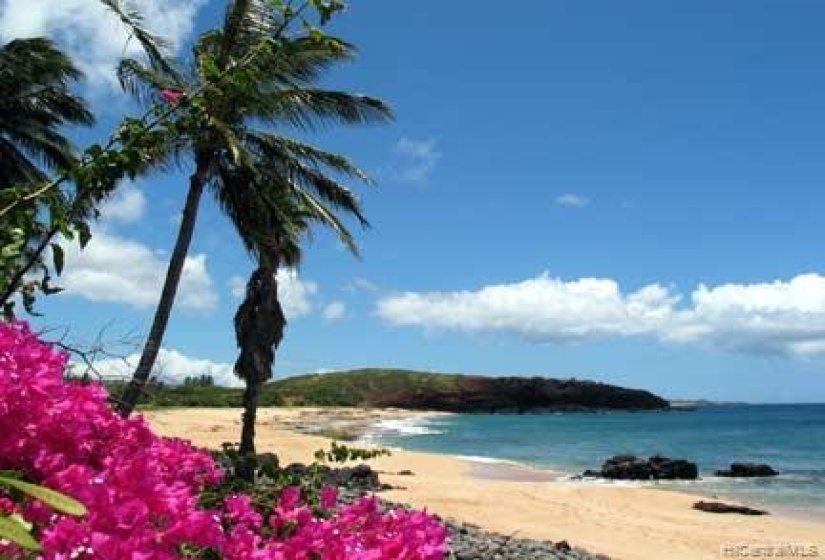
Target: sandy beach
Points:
(623, 522)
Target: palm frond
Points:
(311, 109)
(273, 146)
(324, 216)
(35, 103)
(156, 49)
(16, 167)
(143, 82)
(300, 62)
(264, 215)
(246, 24)
(278, 163)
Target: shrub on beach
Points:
(142, 492)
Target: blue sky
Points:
(629, 192)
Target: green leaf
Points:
(58, 258)
(84, 233)
(13, 530)
(55, 500)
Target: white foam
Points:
(486, 460)
(416, 426)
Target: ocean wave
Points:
(486, 460)
(402, 427)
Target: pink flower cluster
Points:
(359, 531)
(142, 491)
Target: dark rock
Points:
(360, 477)
(665, 468)
(748, 470)
(364, 477)
(630, 467)
(626, 467)
(297, 470)
(405, 472)
(720, 507)
(269, 459)
(563, 545)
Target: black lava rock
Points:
(748, 470)
(630, 467)
(720, 507)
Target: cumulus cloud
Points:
(334, 311)
(171, 367)
(572, 200)
(126, 205)
(785, 317)
(296, 295)
(114, 269)
(417, 160)
(91, 34)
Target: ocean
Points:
(791, 438)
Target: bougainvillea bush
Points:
(142, 491)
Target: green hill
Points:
(419, 391)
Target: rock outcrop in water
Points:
(748, 470)
(630, 467)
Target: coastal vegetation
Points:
(415, 390)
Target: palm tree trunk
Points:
(128, 400)
(259, 329)
(245, 469)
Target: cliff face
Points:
(459, 393)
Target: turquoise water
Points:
(791, 438)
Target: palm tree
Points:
(36, 100)
(249, 73)
(35, 103)
(277, 216)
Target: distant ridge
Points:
(415, 390)
(459, 393)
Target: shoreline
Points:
(622, 521)
(491, 468)
(516, 471)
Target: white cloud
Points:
(781, 317)
(237, 287)
(296, 295)
(361, 285)
(171, 367)
(114, 269)
(90, 33)
(418, 160)
(572, 200)
(125, 206)
(334, 311)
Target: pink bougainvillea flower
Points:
(329, 497)
(171, 96)
(142, 491)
